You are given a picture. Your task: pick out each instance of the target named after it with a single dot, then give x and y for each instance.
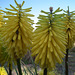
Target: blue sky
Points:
(38, 5)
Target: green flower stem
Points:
(51, 9)
(66, 62)
(19, 67)
(66, 57)
(18, 60)
(33, 64)
(10, 71)
(35, 70)
(45, 71)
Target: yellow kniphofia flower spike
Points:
(17, 30)
(49, 40)
(69, 21)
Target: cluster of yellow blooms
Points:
(69, 22)
(49, 40)
(17, 31)
(54, 33)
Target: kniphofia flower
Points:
(49, 40)
(17, 30)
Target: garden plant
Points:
(47, 45)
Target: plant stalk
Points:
(33, 64)
(19, 67)
(66, 57)
(51, 9)
(10, 71)
(66, 62)
(45, 71)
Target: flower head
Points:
(70, 27)
(49, 40)
(17, 31)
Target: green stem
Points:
(35, 69)
(10, 71)
(45, 71)
(33, 64)
(19, 67)
(66, 62)
(66, 57)
(51, 9)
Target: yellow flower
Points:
(69, 22)
(17, 30)
(3, 71)
(49, 40)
